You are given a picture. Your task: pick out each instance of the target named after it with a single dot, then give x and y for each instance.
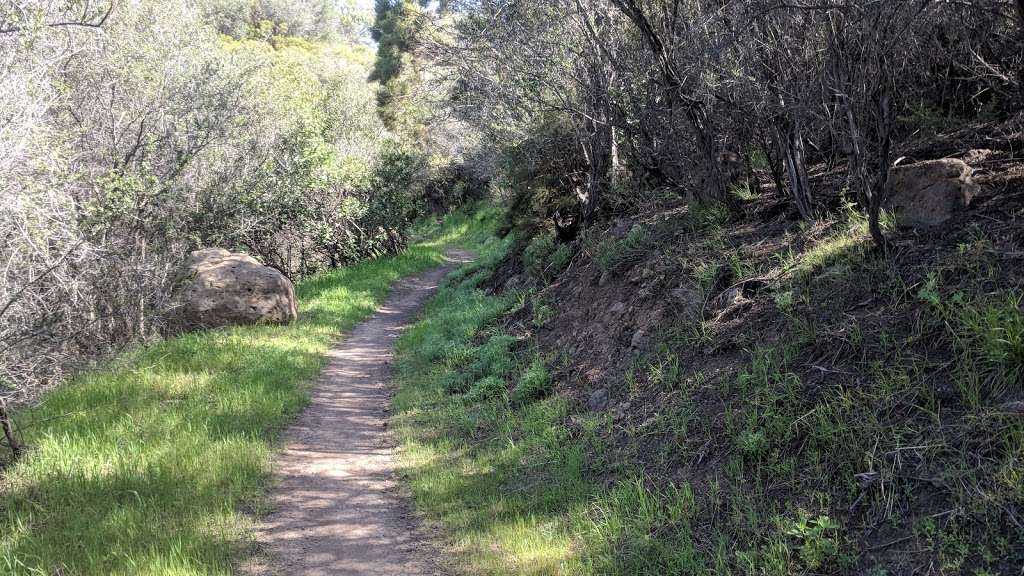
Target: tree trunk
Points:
(600, 136)
(616, 170)
(885, 127)
(8, 430)
(791, 148)
(769, 157)
(707, 148)
(855, 163)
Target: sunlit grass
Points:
(843, 242)
(151, 465)
(462, 484)
(525, 482)
(499, 469)
(502, 472)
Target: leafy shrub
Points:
(816, 539)
(543, 311)
(250, 140)
(545, 258)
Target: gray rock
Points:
(927, 194)
(598, 399)
(639, 339)
(686, 301)
(225, 288)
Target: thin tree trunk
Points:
(773, 165)
(8, 430)
(855, 162)
(791, 143)
(695, 113)
(885, 122)
(708, 149)
(616, 171)
(600, 151)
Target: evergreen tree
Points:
(395, 27)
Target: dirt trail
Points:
(335, 507)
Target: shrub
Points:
(545, 258)
(145, 135)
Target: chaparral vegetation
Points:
(747, 296)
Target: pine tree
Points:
(396, 25)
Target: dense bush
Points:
(132, 133)
(693, 95)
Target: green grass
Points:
(544, 258)
(842, 243)
(153, 464)
(526, 481)
(988, 333)
(480, 437)
(489, 453)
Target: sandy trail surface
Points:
(335, 506)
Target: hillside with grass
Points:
(690, 391)
(745, 291)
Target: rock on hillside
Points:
(929, 193)
(227, 288)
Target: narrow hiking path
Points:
(335, 508)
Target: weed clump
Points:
(545, 258)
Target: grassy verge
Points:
(484, 445)
(149, 466)
(905, 451)
(503, 464)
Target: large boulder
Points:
(227, 288)
(927, 194)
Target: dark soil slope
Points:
(834, 408)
